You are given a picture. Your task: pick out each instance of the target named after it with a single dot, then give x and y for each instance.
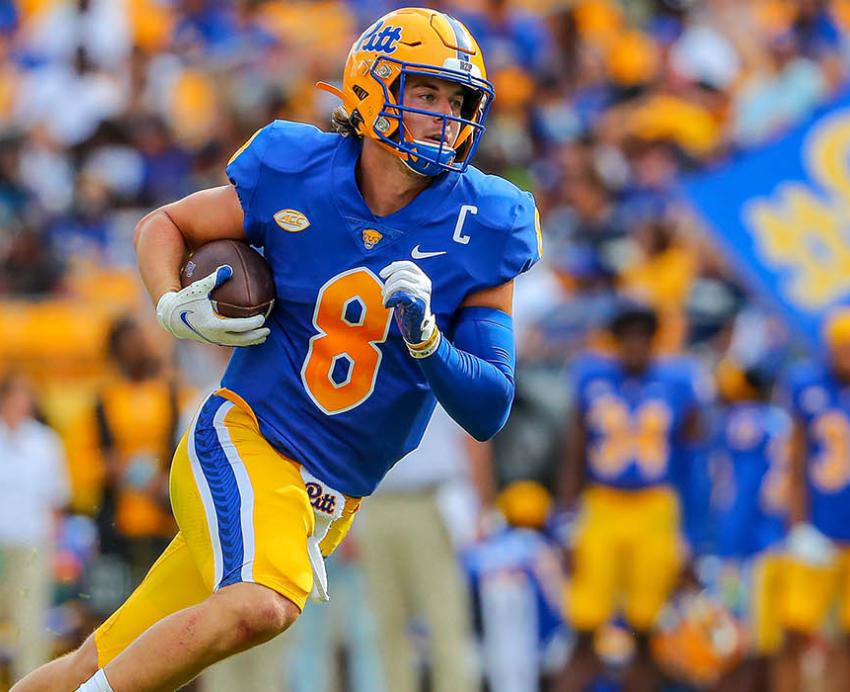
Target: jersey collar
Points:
(351, 205)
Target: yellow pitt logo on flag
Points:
(291, 220)
(371, 237)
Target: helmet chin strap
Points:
(439, 156)
(434, 164)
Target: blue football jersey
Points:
(823, 405)
(333, 387)
(750, 502)
(634, 423)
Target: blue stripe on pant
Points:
(224, 490)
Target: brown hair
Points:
(343, 123)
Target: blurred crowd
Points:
(109, 108)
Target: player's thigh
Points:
(595, 581)
(242, 506)
(172, 584)
(808, 593)
(654, 557)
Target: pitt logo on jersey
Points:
(371, 237)
(291, 220)
(322, 502)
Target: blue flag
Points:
(782, 214)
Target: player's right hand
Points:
(189, 314)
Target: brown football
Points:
(250, 291)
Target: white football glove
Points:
(407, 289)
(808, 545)
(189, 314)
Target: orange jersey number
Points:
(343, 358)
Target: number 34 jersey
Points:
(333, 387)
(634, 424)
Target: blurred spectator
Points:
(29, 268)
(88, 95)
(102, 26)
(137, 414)
(787, 87)
(518, 582)
(411, 565)
(33, 489)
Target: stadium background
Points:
(109, 108)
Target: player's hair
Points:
(344, 123)
(632, 315)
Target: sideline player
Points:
(818, 575)
(330, 393)
(750, 506)
(634, 419)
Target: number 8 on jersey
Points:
(343, 358)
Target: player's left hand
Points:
(407, 289)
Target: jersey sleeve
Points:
(244, 170)
(524, 244)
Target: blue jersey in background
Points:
(751, 489)
(822, 404)
(634, 422)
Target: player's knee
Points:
(256, 614)
(76, 667)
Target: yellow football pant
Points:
(627, 556)
(243, 514)
(768, 592)
(810, 592)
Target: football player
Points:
(634, 419)
(383, 219)
(751, 455)
(818, 575)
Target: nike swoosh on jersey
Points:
(418, 254)
(186, 322)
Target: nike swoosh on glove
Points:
(407, 289)
(189, 314)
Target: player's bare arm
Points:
(797, 510)
(164, 236)
(498, 298)
(572, 475)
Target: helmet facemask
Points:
(425, 157)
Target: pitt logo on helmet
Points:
(371, 237)
(380, 41)
(291, 220)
